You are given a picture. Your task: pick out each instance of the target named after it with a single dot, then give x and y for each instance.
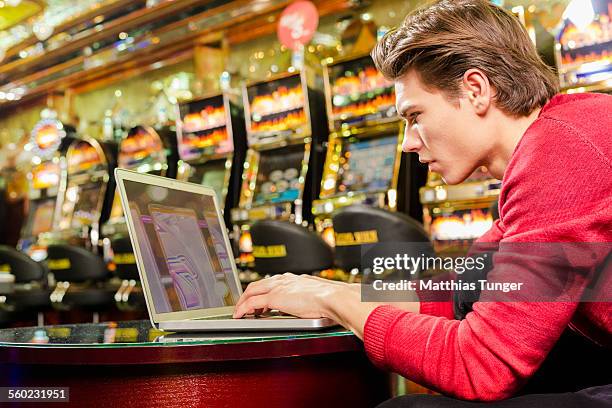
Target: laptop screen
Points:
(187, 263)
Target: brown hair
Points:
(445, 39)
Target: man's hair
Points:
(445, 39)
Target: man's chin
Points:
(452, 179)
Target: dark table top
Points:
(137, 342)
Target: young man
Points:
(474, 92)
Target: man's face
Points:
(446, 134)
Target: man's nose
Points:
(412, 140)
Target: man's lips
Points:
(431, 164)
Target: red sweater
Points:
(556, 188)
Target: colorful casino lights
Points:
(82, 157)
(466, 225)
(283, 99)
(208, 118)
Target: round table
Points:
(131, 364)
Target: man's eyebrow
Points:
(405, 109)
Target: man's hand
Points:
(311, 297)
(299, 295)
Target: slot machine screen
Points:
(82, 157)
(86, 207)
(278, 176)
(584, 52)
(359, 93)
(42, 216)
(142, 146)
(276, 106)
(204, 129)
(460, 225)
(367, 166)
(211, 174)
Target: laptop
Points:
(184, 258)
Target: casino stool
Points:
(82, 279)
(287, 247)
(129, 296)
(377, 226)
(30, 293)
(380, 226)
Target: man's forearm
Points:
(347, 308)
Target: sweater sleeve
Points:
(489, 355)
(440, 309)
(486, 356)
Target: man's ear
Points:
(478, 90)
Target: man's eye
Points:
(413, 119)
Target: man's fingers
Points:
(251, 304)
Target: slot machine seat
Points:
(87, 270)
(290, 248)
(125, 265)
(130, 295)
(380, 226)
(30, 293)
(82, 265)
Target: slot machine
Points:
(583, 49)
(364, 163)
(454, 216)
(144, 150)
(49, 140)
(74, 254)
(88, 191)
(285, 121)
(212, 145)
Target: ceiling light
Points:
(42, 30)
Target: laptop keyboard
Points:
(267, 315)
